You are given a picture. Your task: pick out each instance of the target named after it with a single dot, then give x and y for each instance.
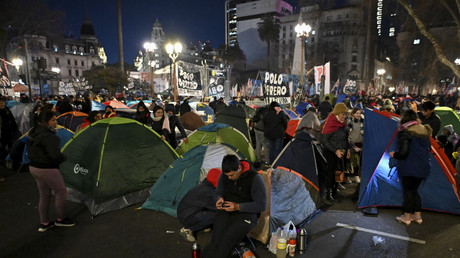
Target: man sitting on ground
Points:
(197, 209)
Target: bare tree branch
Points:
(455, 17)
(439, 51)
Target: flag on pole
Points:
(335, 89)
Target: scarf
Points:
(332, 124)
(165, 122)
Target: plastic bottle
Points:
(273, 242)
(291, 247)
(196, 252)
(282, 244)
(247, 253)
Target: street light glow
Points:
(178, 47)
(457, 61)
(381, 71)
(17, 62)
(150, 46)
(55, 69)
(302, 30)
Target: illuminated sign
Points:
(379, 16)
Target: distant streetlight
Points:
(17, 63)
(457, 61)
(303, 31)
(150, 48)
(55, 70)
(173, 52)
(380, 73)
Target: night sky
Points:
(188, 20)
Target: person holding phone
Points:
(241, 197)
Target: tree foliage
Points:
(269, 30)
(107, 77)
(19, 18)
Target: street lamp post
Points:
(17, 63)
(303, 32)
(150, 48)
(173, 52)
(380, 73)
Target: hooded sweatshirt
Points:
(248, 190)
(43, 148)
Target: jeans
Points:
(261, 141)
(276, 145)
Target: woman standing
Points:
(160, 124)
(356, 125)
(43, 148)
(413, 154)
(334, 138)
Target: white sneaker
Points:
(187, 234)
(357, 180)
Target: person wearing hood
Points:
(143, 114)
(241, 197)
(43, 148)
(451, 141)
(334, 138)
(173, 122)
(275, 125)
(92, 117)
(310, 123)
(413, 156)
(197, 209)
(160, 123)
(109, 112)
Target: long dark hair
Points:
(92, 116)
(408, 115)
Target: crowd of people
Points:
(232, 197)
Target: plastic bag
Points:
(290, 229)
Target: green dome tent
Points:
(218, 133)
(448, 116)
(113, 163)
(186, 172)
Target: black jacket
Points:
(43, 147)
(337, 140)
(173, 122)
(275, 125)
(324, 109)
(434, 121)
(198, 198)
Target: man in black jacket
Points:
(429, 117)
(197, 209)
(241, 197)
(275, 125)
(324, 108)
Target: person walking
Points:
(275, 125)
(413, 156)
(43, 148)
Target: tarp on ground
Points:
(448, 116)
(113, 162)
(218, 133)
(380, 185)
(71, 120)
(294, 186)
(184, 173)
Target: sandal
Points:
(416, 219)
(402, 219)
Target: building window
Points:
(77, 73)
(75, 62)
(67, 49)
(57, 60)
(81, 50)
(339, 17)
(353, 67)
(82, 63)
(92, 63)
(68, 61)
(70, 72)
(74, 50)
(354, 59)
(91, 50)
(55, 48)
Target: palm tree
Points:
(269, 30)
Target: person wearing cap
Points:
(197, 209)
(275, 125)
(173, 122)
(334, 138)
(429, 117)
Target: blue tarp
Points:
(97, 106)
(380, 185)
